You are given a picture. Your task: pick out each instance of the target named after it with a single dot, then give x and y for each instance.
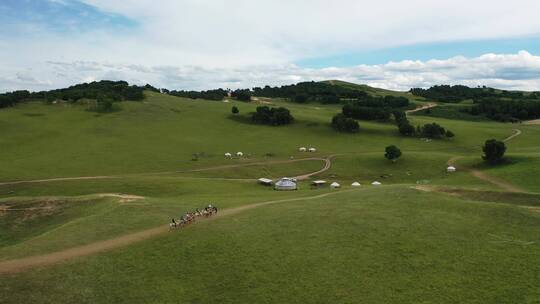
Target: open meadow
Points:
(86, 198)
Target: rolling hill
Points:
(86, 198)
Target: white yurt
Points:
(356, 184)
(239, 154)
(286, 184)
(335, 185)
(376, 183)
(228, 155)
(451, 169)
(312, 150)
(302, 149)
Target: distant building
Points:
(265, 181)
(228, 155)
(318, 183)
(376, 183)
(356, 184)
(286, 184)
(312, 149)
(239, 154)
(451, 169)
(302, 149)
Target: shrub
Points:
(493, 151)
(392, 153)
(344, 124)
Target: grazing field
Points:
(73, 180)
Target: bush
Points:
(433, 130)
(344, 124)
(392, 153)
(493, 151)
(272, 116)
(235, 110)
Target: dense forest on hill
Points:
(102, 91)
(458, 93)
(505, 106)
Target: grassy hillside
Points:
(424, 235)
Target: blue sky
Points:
(61, 16)
(199, 44)
(427, 51)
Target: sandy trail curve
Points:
(517, 133)
(326, 167)
(23, 264)
(532, 122)
(424, 107)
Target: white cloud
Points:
(507, 71)
(208, 43)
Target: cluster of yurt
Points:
(238, 154)
(304, 149)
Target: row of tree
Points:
(457, 93)
(506, 110)
(310, 91)
(432, 130)
(217, 94)
(104, 90)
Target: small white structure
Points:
(312, 149)
(239, 154)
(228, 155)
(356, 184)
(451, 169)
(265, 181)
(376, 183)
(286, 184)
(302, 149)
(335, 185)
(318, 183)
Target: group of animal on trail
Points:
(191, 216)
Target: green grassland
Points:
(460, 240)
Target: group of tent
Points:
(288, 183)
(229, 155)
(335, 185)
(304, 149)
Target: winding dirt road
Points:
(327, 165)
(424, 107)
(24, 264)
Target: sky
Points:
(205, 44)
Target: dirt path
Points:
(485, 177)
(56, 180)
(517, 132)
(186, 171)
(532, 122)
(327, 165)
(23, 264)
(424, 107)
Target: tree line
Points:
(458, 93)
(102, 91)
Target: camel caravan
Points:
(190, 217)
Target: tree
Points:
(392, 153)
(406, 129)
(449, 134)
(235, 110)
(272, 116)
(433, 130)
(344, 124)
(493, 151)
